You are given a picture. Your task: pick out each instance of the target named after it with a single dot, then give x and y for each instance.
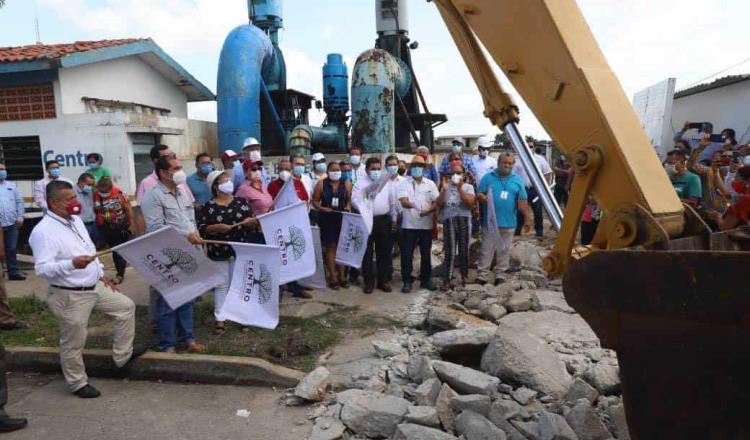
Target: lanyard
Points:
(72, 227)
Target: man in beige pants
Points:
(64, 257)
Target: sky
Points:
(645, 42)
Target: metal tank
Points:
(392, 17)
(377, 78)
(238, 90)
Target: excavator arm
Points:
(661, 290)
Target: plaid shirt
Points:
(468, 164)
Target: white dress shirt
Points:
(483, 166)
(422, 195)
(40, 190)
(381, 202)
(55, 241)
(521, 171)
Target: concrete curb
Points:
(194, 368)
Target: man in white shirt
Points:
(54, 173)
(64, 256)
(417, 196)
(533, 196)
(383, 195)
(359, 171)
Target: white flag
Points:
(352, 240)
(318, 279)
(253, 297)
(494, 235)
(287, 195)
(168, 262)
(288, 229)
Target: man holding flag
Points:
(503, 195)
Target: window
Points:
(22, 156)
(142, 144)
(27, 102)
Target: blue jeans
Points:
(93, 231)
(174, 325)
(10, 241)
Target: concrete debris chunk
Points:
(478, 403)
(518, 357)
(327, 428)
(523, 395)
(475, 426)
(420, 369)
(387, 349)
(423, 415)
(410, 431)
(580, 389)
(526, 255)
(444, 411)
(617, 423)
(427, 392)
(551, 300)
(554, 427)
(466, 380)
(462, 341)
(586, 423)
(504, 409)
(313, 386)
(447, 318)
(529, 429)
(520, 301)
(604, 377)
(371, 414)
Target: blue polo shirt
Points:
(199, 188)
(506, 208)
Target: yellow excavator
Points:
(657, 285)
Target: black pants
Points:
(536, 208)
(113, 237)
(412, 238)
(588, 229)
(380, 246)
(561, 195)
(3, 382)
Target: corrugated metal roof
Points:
(34, 52)
(721, 82)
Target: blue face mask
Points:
(417, 171)
(392, 169)
(346, 175)
(207, 168)
(375, 174)
(299, 170)
(93, 165)
(3, 174)
(321, 167)
(86, 189)
(54, 172)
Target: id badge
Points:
(503, 195)
(334, 202)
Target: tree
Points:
(296, 242)
(265, 284)
(181, 259)
(358, 239)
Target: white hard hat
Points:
(746, 161)
(318, 156)
(459, 140)
(250, 142)
(485, 142)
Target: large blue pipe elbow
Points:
(238, 89)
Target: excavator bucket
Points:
(680, 323)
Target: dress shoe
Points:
(499, 281)
(17, 277)
(138, 351)
(385, 287)
(406, 288)
(368, 288)
(429, 285)
(88, 392)
(18, 325)
(195, 347)
(10, 424)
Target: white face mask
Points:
(355, 159)
(670, 169)
(254, 155)
(334, 175)
(284, 175)
(226, 187)
(179, 177)
(456, 179)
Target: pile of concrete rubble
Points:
(479, 362)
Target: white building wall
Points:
(123, 79)
(725, 107)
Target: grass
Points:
(295, 343)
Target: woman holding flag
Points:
(332, 196)
(225, 218)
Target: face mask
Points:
(401, 171)
(335, 175)
(392, 169)
(417, 171)
(482, 153)
(724, 169)
(254, 155)
(86, 189)
(321, 167)
(104, 195)
(456, 179)
(285, 175)
(73, 208)
(456, 148)
(206, 168)
(298, 170)
(355, 159)
(375, 174)
(93, 165)
(255, 175)
(670, 169)
(738, 187)
(226, 187)
(179, 177)
(3, 174)
(54, 172)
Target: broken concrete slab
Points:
(551, 325)
(523, 395)
(529, 429)
(580, 389)
(420, 369)
(446, 318)
(586, 423)
(616, 422)
(385, 349)
(479, 403)
(371, 414)
(466, 380)
(427, 392)
(313, 386)
(423, 415)
(474, 426)
(520, 301)
(604, 377)
(410, 431)
(551, 300)
(327, 428)
(554, 427)
(444, 411)
(462, 341)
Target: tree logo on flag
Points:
(355, 238)
(175, 258)
(296, 242)
(264, 282)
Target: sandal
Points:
(219, 328)
(344, 284)
(117, 279)
(333, 286)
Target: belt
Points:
(76, 289)
(381, 215)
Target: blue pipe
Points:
(274, 114)
(245, 51)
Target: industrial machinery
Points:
(661, 290)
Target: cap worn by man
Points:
(249, 142)
(318, 156)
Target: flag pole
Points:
(104, 252)
(217, 242)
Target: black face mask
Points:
(401, 171)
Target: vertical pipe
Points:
(535, 174)
(274, 115)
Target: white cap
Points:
(318, 156)
(459, 140)
(250, 142)
(423, 148)
(212, 176)
(746, 161)
(485, 142)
